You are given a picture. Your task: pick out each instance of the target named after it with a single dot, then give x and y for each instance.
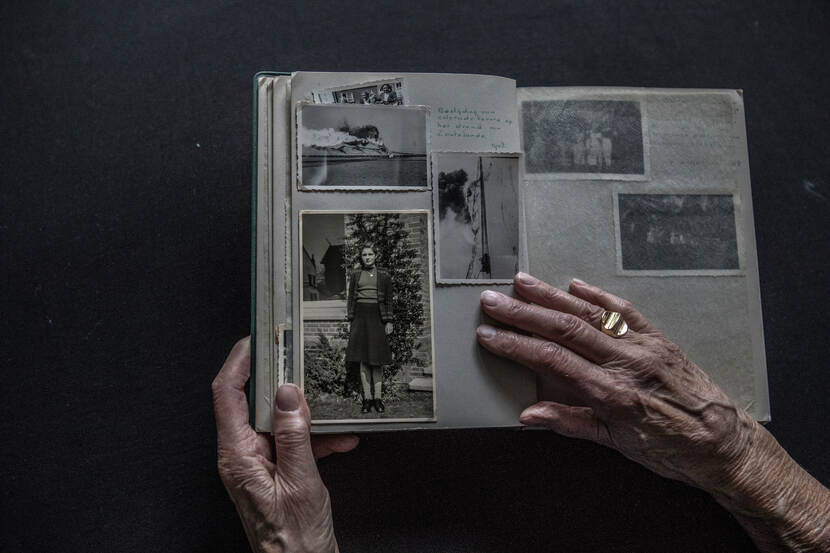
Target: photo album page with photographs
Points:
(410, 194)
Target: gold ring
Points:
(613, 324)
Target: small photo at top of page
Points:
(390, 92)
(584, 139)
(342, 146)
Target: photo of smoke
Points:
(364, 147)
(478, 218)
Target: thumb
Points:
(568, 420)
(292, 424)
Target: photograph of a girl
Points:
(370, 321)
(367, 316)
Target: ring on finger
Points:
(613, 324)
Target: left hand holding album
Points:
(273, 481)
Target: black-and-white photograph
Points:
(477, 210)
(583, 138)
(388, 93)
(677, 232)
(362, 147)
(367, 316)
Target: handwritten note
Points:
(471, 123)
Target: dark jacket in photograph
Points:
(384, 294)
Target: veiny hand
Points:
(640, 395)
(280, 498)
(637, 393)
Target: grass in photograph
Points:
(409, 405)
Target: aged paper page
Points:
(645, 193)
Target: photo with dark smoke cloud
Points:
(478, 217)
(348, 146)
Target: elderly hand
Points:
(273, 482)
(639, 394)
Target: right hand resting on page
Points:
(639, 394)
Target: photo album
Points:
(385, 203)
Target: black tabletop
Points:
(125, 245)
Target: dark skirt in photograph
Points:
(367, 340)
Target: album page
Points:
(406, 204)
(646, 193)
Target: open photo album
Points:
(385, 203)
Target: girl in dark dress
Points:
(369, 306)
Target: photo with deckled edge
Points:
(477, 206)
(687, 234)
(367, 331)
(352, 147)
(386, 92)
(582, 138)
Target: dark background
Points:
(125, 251)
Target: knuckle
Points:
(549, 356)
(510, 344)
(551, 295)
(590, 313)
(516, 309)
(569, 327)
(625, 306)
(291, 432)
(628, 400)
(648, 363)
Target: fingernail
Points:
(526, 279)
(488, 297)
(578, 282)
(486, 331)
(288, 398)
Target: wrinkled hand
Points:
(280, 498)
(637, 393)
